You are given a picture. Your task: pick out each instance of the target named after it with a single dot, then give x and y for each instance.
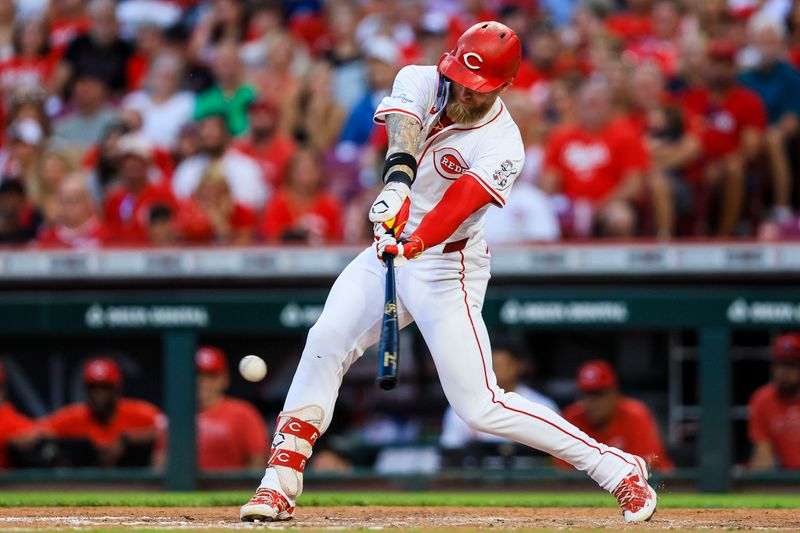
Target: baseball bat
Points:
(389, 346)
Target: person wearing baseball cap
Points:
(774, 425)
(605, 414)
(231, 434)
(120, 431)
(735, 119)
(128, 204)
(13, 424)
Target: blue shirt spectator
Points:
(779, 88)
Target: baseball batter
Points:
(454, 150)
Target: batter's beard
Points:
(462, 114)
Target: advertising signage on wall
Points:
(515, 312)
(295, 310)
(98, 316)
(740, 311)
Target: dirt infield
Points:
(428, 518)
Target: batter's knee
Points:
(477, 415)
(326, 343)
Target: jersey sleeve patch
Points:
(504, 175)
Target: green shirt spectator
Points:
(230, 95)
(215, 100)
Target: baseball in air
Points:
(252, 368)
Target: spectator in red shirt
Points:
(634, 23)
(733, 120)
(266, 143)
(544, 65)
(774, 425)
(663, 46)
(120, 431)
(230, 433)
(13, 425)
(77, 224)
(32, 64)
(598, 164)
(302, 210)
(212, 215)
(608, 416)
(128, 205)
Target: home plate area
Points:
(395, 518)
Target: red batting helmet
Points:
(486, 56)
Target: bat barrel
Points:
(389, 347)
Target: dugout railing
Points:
(175, 295)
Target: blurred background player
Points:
(607, 415)
(509, 369)
(774, 425)
(106, 429)
(230, 433)
(13, 424)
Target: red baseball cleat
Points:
(636, 497)
(266, 505)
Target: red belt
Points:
(455, 246)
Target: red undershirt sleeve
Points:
(464, 197)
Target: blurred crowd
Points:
(108, 429)
(164, 122)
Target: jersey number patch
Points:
(449, 163)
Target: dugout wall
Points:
(175, 296)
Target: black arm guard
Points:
(399, 158)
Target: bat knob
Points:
(387, 383)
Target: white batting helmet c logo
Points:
(469, 65)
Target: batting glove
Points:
(396, 225)
(401, 250)
(389, 202)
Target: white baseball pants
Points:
(443, 293)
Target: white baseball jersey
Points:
(490, 151)
(442, 292)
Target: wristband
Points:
(398, 176)
(400, 158)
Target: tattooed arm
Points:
(399, 171)
(404, 134)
